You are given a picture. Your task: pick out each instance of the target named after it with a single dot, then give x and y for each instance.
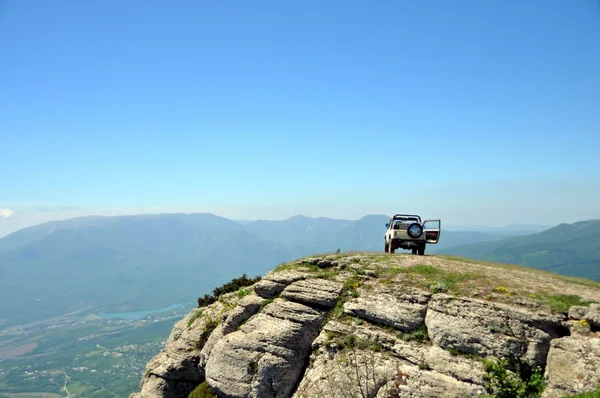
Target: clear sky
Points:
(480, 112)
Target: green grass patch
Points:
(196, 315)
(202, 391)
(326, 274)
(421, 269)
(350, 289)
(420, 335)
(264, 303)
(210, 324)
(437, 280)
(295, 265)
(562, 302)
(243, 292)
(590, 394)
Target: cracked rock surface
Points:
(489, 329)
(265, 358)
(573, 365)
(400, 310)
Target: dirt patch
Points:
(17, 351)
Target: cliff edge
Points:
(381, 325)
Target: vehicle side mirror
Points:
(387, 225)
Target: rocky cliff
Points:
(381, 325)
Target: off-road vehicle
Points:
(406, 231)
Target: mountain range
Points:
(568, 249)
(124, 263)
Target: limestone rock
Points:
(593, 316)
(174, 372)
(286, 277)
(266, 357)
(326, 262)
(274, 282)
(246, 307)
(413, 382)
(377, 374)
(484, 328)
(590, 314)
(456, 366)
(403, 311)
(578, 312)
(397, 342)
(267, 288)
(314, 292)
(348, 374)
(573, 365)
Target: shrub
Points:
(202, 391)
(209, 325)
(193, 318)
(229, 287)
(522, 383)
(438, 287)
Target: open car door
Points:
(432, 230)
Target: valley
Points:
(90, 356)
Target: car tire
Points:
(391, 248)
(421, 250)
(414, 251)
(385, 247)
(408, 229)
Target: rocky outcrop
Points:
(265, 358)
(387, 306)
(339, 327)
(573, 365)
(314, 292)
(274, 283)
(174, 371)
(488, 329)
(590, 314)
(245, 308)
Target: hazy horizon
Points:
(17, 221)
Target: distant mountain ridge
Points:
(568, 249)
(138, 262)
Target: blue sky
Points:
(476, 112)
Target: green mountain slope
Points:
(135, 262)
(568, 249)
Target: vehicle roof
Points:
(407, 216)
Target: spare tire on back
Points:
(414, 230)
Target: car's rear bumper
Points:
(407, 244)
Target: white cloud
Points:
(5, 213)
